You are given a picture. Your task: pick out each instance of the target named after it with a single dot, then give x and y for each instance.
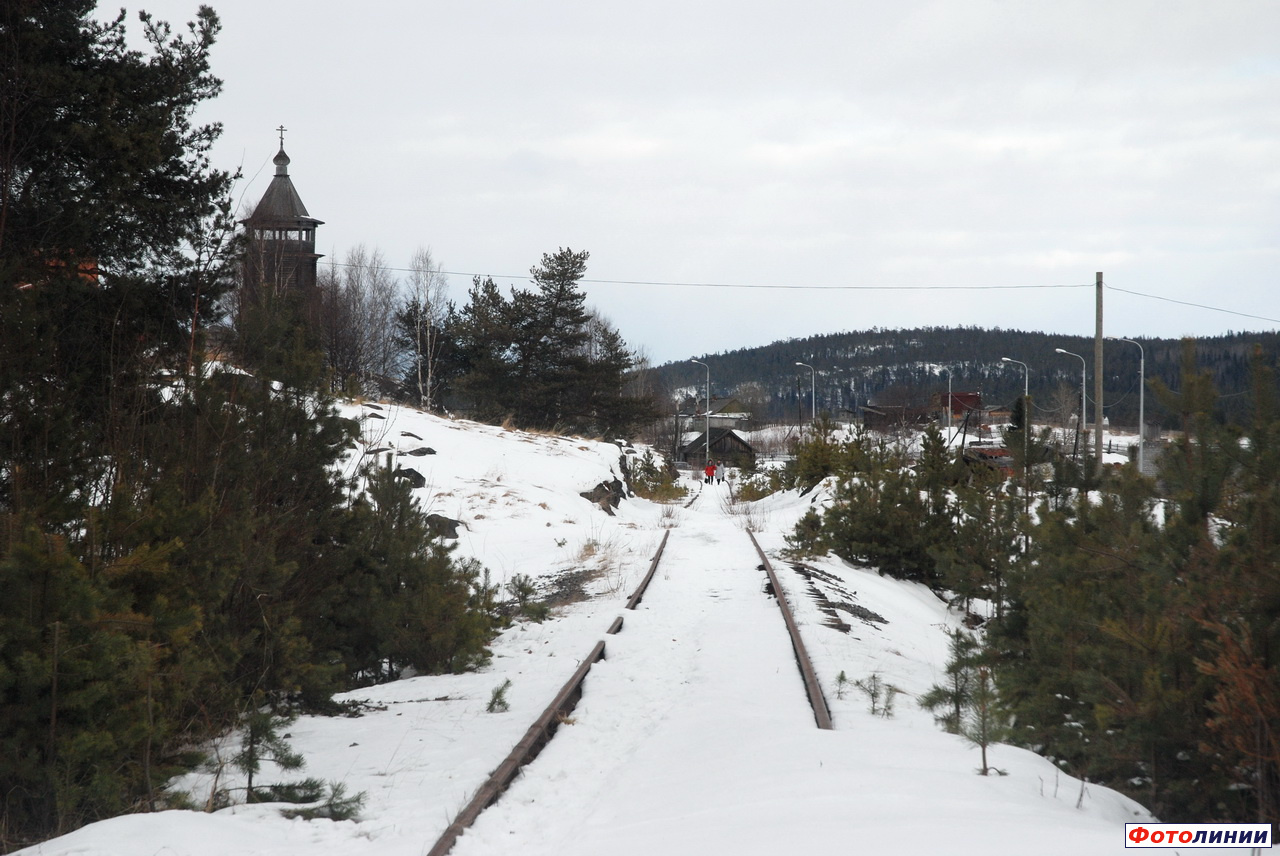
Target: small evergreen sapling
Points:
(260, 742)
(878, 693)
(983, 724)
(949, 700)
(966, 702)
(335, 806)
(522, 589)
(498, 699)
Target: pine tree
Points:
(399, 600)
(950, 700)
(553, 337)
(1134, 650)
(114, 251)
(487, 334)
(982, 543)
(878, 517)
(542, 358)
(1242, 653)
(260, 740)
(983, 724)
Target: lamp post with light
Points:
(1026, 399)
(950, 405)
(1080, 432)
(708, 410)
(1142, 388)
(1026, 441)
(1027, 411)
(813, 393)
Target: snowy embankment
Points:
(693, 736)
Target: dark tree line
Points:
(908, 367)
(177, 551)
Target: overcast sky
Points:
(855, 152)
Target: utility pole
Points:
(1098, 371)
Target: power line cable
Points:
(793, 287)
(781, 287)
(1189, 303)
(774, 286)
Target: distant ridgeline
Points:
(910, 367)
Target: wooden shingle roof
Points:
(281, 206)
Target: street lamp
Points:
(708, 411)
(1080, 432)
(1142, 388)
(1026, 410)
(1026, 440)
(950, 404)
(813, 392)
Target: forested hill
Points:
(906, 367)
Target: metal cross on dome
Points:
(282, 129)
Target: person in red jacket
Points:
(710, 472)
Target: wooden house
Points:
(726, 445)
(960, 403)
(729, 413)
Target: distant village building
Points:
(895, 417)
(729, 413)
(280, 257)
(726, 445)
(727, 419)
(959, 403)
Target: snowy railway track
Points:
(564, 703)
(821, 715)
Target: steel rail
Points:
(542, 730)
(635, 598)
(821, 714)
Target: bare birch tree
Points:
(358, 301)
(421, 322)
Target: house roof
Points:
(729, 407)
(281, 205)
(717, 434)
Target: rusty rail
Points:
(542, 730)
(653, 566)
(821, 714)
(538, 735)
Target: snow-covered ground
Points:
(692, 736)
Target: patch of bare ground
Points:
(569, 586)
